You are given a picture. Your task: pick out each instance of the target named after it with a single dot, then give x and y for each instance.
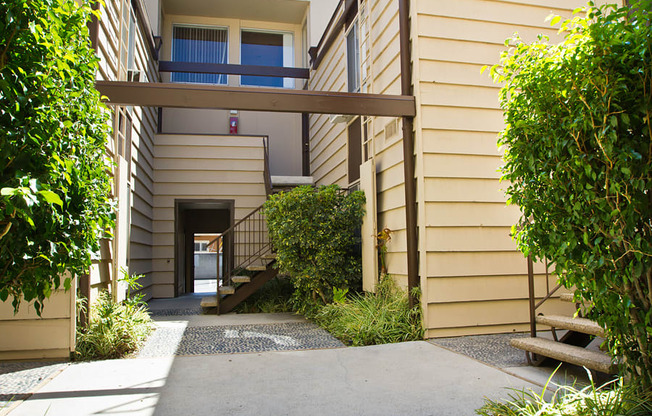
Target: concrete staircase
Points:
(571, 348)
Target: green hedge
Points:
(579, 165)
(314, 232)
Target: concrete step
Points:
(271, 256)
(566, 297)
(209, 302)
(567, 353)
(227, 290)
(256, 268)
(241, 279)
(583, 325)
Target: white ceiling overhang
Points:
(281, 11)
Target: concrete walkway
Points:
(273, 364)
(415, 378)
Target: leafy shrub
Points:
(373, 318)
(115, 329)
(579, 164)
(54, 174)
(614, 398)
(313, 231)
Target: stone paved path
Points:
(182, 330)
(19, 379)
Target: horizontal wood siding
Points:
(200, 167)
(25, 335)
(475, 279)
(145, 121)
(388, 151)
(328, 141)
(328, 151)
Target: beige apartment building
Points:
(217, 102)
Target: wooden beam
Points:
(231, 69)
(254, 99)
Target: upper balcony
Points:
(231, 43)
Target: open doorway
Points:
(208, 262)
(198, 252)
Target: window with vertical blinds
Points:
(199, 44)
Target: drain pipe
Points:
(408, 153)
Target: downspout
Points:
(408, 154)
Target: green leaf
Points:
(51, 198)
(8, 191)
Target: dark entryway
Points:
(196, 221)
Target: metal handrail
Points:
(531, 295)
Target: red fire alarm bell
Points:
(233, 125)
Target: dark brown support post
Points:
(530, 286)
(84, 292)
(408, 153)
(305, 144)
(94, 27)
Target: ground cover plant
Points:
(115, 328)
(614, 398)
(54, 175)
(382, 317)
(314, 232)
(578, 160)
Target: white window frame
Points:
(353, 27)
(205, 246)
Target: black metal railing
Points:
(245, 244)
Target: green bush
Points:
(578, 153)
(373, 318)
(115, 329)
(54, 173)
(614, 398)
(313, 231)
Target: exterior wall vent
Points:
(391, 129)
